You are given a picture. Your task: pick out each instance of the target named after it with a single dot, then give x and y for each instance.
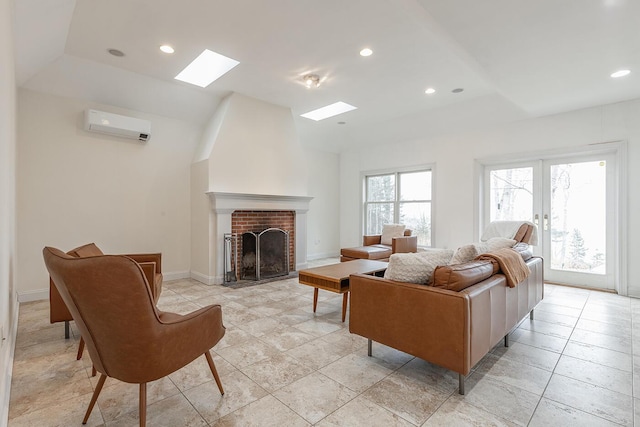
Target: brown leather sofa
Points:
(151, 265)
(450, 328)
(372, 248)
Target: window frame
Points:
(397, 202)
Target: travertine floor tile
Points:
(276, 371)
(550, 413)
(361, 411)
(239, 392)
(456, 412)
(358, 372)
(314, 396)
(596, 374)
(267, 411)
(170, 412)
(612, 406)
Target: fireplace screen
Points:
(265, 254)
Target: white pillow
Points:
(416, 267)
(389, 231)
(464, 253)
(496, 243)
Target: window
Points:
(401, 198)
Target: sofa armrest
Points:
(404, 244)
(426, 322)
(373, 239)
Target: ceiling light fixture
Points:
(311, 80)
(457, 90)
(366, 52)
(430, 91)
(206, 68)
(620, 73)
(166, 48)
(329, 111)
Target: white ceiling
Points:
(515, 59)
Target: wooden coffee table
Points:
(335, 278)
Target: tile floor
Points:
(283, 365)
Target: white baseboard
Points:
(323, 255)
(35, 295)
(175, 275)
(207, 280)
(9, 347)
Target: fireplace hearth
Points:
(265, 254)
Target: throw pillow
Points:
(416, 267)
(463, 254)
(389, 231)
(496, 243)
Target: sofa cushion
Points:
(367, 252)
(460, 276)
(389, 231)
(416, 267)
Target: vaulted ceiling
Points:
(514, 59)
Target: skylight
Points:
(328, 111)
(206, 68)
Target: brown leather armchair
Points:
(151, 265)
(126, 336)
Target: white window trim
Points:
(416, 168)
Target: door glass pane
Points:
(417, 217)
(578, 217)
(415, 186)
(378, 214)
(511, 194)
(381, 188)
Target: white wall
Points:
(454, 158)
(76, 187)
(8, 305)
(323, 231)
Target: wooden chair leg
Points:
(94, 398)
(93, 371)
(80, 349)
(212, 366)
(143, 404)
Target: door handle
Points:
(546, 222)
(536, 219)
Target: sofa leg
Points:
(369, 348)
(66, 329)
(506, 340)
(531, 314)
(461, 384)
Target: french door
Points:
(573, 201)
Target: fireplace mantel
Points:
(224, 204)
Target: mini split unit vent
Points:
(117, 125)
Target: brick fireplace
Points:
(256, 221)
(260, 211)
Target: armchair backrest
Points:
(113, 309)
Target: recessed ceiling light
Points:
(328, 111)
(342, 123)
(206, 68)
(116, 52)
(366, 52)
(457, 90)
(620, 73)
(166, 48)
(430, 91)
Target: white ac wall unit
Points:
(117, 125)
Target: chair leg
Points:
(80, 349)
(66, 330)
(93, 371)
(94, 398)
(143, 404)
(212, 366)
